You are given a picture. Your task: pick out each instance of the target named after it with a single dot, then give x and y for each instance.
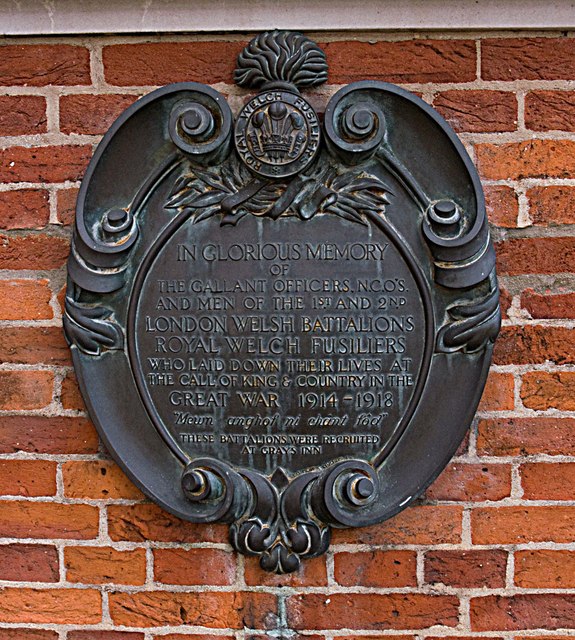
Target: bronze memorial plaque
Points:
(282, 320)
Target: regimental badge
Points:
(280, 322)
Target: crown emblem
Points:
(277, 133)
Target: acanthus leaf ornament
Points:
(263, 312)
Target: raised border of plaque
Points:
(283, 320)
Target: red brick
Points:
(44, 164)
(402, 61)
(527, 59)
(70, 395)
(194, 566)
(545, 569)
(524, 611)
(216, 610)
(542, 390)
(472, 482)
(505, 300)
(97, 480)
(550, 110)
(553, 205)
(498, 394)
(102, 565)
(548, 480)
(25, 300)
(29, 478)
(203, 636)
(157, 63)
(33, 251)
(57, 606)
(28, 563)
(38, 434)
(139, 522)
(535, 344)
(415, 525)
(91, 114)
(27, 634)
(22, 115)
(376, 569)
(107, 635)
(502, 206)
(467, 569)
(526, 159)
(518, 256)
(478, 111)
(312, 573)
(20, 519)
(66, 206)
(42, 65)
(24, 209)
(526, 437)
(371, 611)
(34, 345)
(21, 390)
(549, 305)
(520, 525)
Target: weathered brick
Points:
(106, 635)
(527, 59)
(376, 569)
(38, 434)
(467, 569)
(550, 110)
(311, 573)
(401, 61)
(158, 63)
(549, 305)
(21, 390)
(472, 482)
(41, 65)
(56, 606)
(215, 610)
(523, 611)
(70, 396)
(518, 256)
(548, 480)
(101, 565)
(44, 164)
(28, 563)
(139, 522)
(535, 344)
(22, 115)
(520, 525)
(545, 569)
(526, 159)
(37, 251)
(478, 111)
(29, 478)
(66, 206)
(437, 524)
(21, 519)
(526, 436)
(97, 480)
(542, 390)
(552, 205)
(498, 394)
(24, 209)
(204, 636)
(14, 633)
(194, 566)
(25, 300)
(91, 114)
(502, 206)
(34, 345)
(505, 300)
(371, 611)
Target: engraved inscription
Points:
(275, 343)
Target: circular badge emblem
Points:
(277, 134)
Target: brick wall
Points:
(489, 551)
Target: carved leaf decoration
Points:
(475, 325)
(90, 329)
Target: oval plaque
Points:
(277, 325)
